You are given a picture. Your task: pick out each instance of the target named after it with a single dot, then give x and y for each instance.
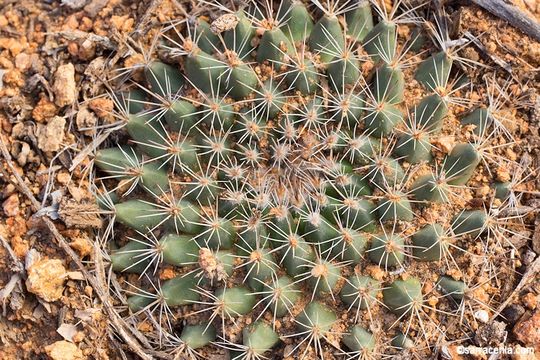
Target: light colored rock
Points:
(482, 316)
(46, 279)
(11, 205)
(64, 87)
(50, 136)
(22, 61)
(445, 143)
(74, 4)
(64, 350)
(86, 121)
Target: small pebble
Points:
(482, 316)
(64, 87)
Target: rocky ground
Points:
(53, 56)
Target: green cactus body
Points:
(235, 301)
(297, 255)
(402, 342)
(284, 295)
(414, 148)
(184, 217)
(403, 296)
(149, 134)
(303, 77)
(239, 38)
(353, 213)
(428, 243)
(138, 303)
(207, 41)
(461, 163)
(204, 71)
(387, 250)
(163, 79)
(479, 118)
(386, 172)
(261, 268)
(178, 250)
(389, 84)
(361, 149)
(274, 47)
(117, 161)
(131, 101)
(270, 101)
(502, 189)
(323, 278)
(139, 215)
(381, 120)
(259, 337)
(359, 20)
(351, 246)
(342, 71)
(271, 166)
(360, 291)
(128, 258)
(454, 288)
(198, 336)
(381, 42)
(434, 72)
(469, 222)
(430, 113)
(219, 234)
(359, 339)
(429, 188)
(316, 316)
(298, 21)
(181, 116)
(326, 38)
(180, 290)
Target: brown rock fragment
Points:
(11, 205)
(527, 330)
(530, 300)
(82, 245)
(44, 110)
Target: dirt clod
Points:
(46, 279)
(490, 334)
(64, 350)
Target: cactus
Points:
(272, 173)
(359, 340)
(403, 296)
